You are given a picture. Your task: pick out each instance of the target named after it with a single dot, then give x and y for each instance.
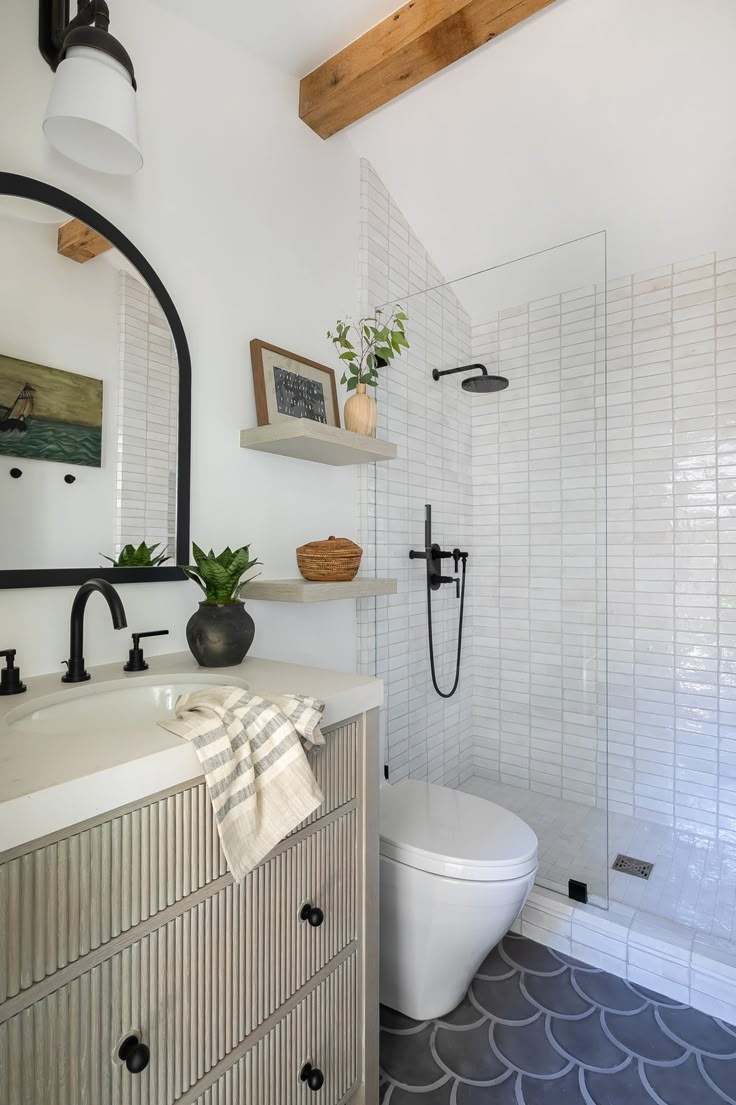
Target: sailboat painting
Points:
(49, 414)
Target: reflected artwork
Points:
(49, 414)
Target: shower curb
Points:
(671, 959)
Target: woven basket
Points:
(335, 560)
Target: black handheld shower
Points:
(434, 555)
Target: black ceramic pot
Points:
(220, 636)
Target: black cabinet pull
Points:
(134, 1054)
(312, 914)
(313, 1077)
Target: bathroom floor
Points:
(538, 1028)
(693, 881)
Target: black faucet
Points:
(434, 555)
(76, 672)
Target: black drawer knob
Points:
(312, 914)
(134, 1054)
(313, 1077)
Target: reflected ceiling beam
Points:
(80, 243)
(414, 43)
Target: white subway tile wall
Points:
(426, 737)
(539, 549)
(147, 421)
(672, 457)
(600, 512)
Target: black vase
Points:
(220, 636)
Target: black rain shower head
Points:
(477, 385)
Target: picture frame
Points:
(288, 385)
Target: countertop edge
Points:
(40, 813)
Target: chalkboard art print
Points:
(289, 386)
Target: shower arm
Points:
(463, 368)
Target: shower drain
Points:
(631, 866)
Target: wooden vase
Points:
(360, 413)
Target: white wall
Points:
(593, 114)
(252, 223)
(44, 521)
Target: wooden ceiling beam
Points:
(79, 242)
(414, 43)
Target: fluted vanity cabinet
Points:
(130, 927)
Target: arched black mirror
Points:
(95, 400)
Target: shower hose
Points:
(450, 693)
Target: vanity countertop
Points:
(50, 782)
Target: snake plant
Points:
(220, 576)
(141, 557)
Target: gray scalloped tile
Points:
(468, 1055)
(528, 956)
(566, 1089)
(586, 1042)
(699, 1031)
(623, 1088)
(608, 991)
(556, 994)
(581, 1046)
(684, 1084)
(527, 1048)
(408, 1060)
(640, 1034)
(504, 1093)
(503, 1000)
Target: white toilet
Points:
(455, 873)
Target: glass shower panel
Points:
(517, 478)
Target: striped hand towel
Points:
(252, 754)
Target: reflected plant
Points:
(141, 557)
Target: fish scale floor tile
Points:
(539, 1028)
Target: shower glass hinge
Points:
(385, 771)
(577, 891)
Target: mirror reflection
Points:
(88, 400)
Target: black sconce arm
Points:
(54, 24)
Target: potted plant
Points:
(221, 631)
(141, 557)
(365, 346)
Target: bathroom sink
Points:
(138, 704)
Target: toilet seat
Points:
(448, 832)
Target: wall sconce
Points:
(91, 116)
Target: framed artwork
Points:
(290, 386)
(49, 414)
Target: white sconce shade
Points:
(92, 114)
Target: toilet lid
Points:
(448, 832)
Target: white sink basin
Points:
(134, 705)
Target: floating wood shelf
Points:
(307, 440)
(304, 590)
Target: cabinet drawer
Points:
(65, 899)
(196, 986)
(321, 1030)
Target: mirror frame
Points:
(25, 187)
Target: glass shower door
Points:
(517, 478)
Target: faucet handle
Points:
(10, 682)
(136, 661)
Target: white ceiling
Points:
(294, 35)
(593, 114)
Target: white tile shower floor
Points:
(693, 881)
